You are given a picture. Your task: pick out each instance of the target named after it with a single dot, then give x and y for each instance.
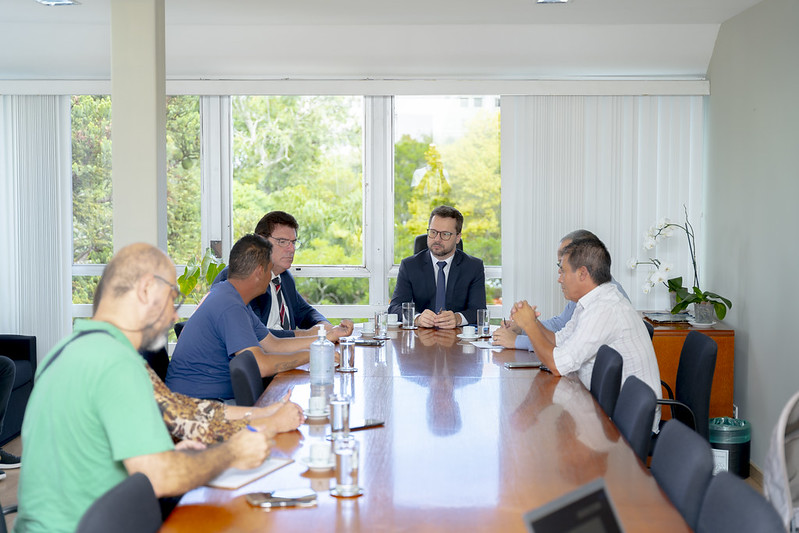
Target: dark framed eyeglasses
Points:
(284, 243)
(445, 235)
(179, 298)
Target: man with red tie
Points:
(281, 308)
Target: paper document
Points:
(233, 478)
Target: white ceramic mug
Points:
(369, 327)
(393, 318)
(468, 331)
(320, 453)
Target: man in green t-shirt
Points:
(92, 419)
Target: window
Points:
(305, 155)
(446, 151)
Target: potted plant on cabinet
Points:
(706, 303)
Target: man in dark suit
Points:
(446, 285)
(281, 308)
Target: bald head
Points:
(127, 267)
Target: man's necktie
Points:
(281, 305)
(441, 287)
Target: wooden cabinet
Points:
(668, 341)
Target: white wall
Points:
(752, 192)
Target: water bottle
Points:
(323, 359)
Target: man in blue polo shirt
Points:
(224, 326)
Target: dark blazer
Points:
(301, 314)
(416, 282)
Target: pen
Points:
(252, 428)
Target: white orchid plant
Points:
(659, 274)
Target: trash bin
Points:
(730, 439)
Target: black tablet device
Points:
(587, 509)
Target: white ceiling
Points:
(352, 39)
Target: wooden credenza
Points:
(668, 341)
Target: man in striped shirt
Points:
(602, 315)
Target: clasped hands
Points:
(524, 315)
(441, 320)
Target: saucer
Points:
(700, 325)
(468, 337)
(316, 414)
(394, 324)
(334, 492)
(367, 334)
(331, 463)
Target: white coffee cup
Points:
(468, 331)
(369, 327)
(317, 404)
(393, 318)
(320, 453)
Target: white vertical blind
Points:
(614, 165)
(37, 226)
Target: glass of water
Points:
(346, 451)
(408, 315)
(347, 354)
(339, 416)
(483, 323)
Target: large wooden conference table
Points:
(467, 445)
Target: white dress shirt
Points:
(604, 316)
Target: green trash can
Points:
(730, 439)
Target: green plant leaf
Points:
(721, 311)
(674, 284)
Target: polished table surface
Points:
(467, 444)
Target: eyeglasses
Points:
(284, 243)
(445, 235)
(179, 298)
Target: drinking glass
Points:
(339, 416)
(381, 325)
(483, 323)
(346, 451)
(347, 354)
(408, 314)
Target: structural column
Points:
(138, 98)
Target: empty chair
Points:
(606, 378)
(130, 507)
(634, 415)
(690, 401)
(245, 376)
(682, 464)
(731, 505)
(781, 472)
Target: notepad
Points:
(233, 478)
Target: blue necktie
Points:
(441, 287)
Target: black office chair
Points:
(634, 415)
(731, 505)
(420, 243)
(245, 377)
(606, 378)
(691, 406)
(130, 507)
(159, 361)
(179, 327)
(650, 328)
(21, 349)
(682, 464)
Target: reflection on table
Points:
(467, 444)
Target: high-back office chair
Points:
(606, 378)
(634, 415)
(246, 379)
(781, 472)
(691, 406)
(682, 464)
(159, 361)
(179, 327)
(420, 243)
(650, 328)
(21, 349)
(731, 505)
(130, 507)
